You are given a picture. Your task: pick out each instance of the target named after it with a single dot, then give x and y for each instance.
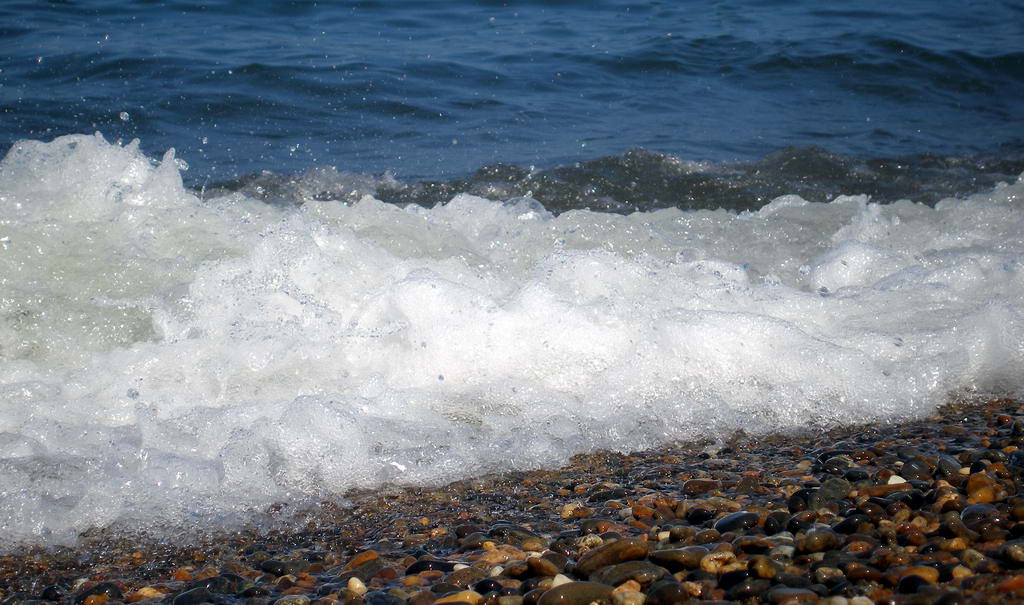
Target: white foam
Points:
(165, 360)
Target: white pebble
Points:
(559, 580)
(356, 585)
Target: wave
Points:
(170, 360)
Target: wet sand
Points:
(922, 512)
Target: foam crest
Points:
(166, 359)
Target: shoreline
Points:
(921, 511)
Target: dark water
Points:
(913, 99)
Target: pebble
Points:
(680, 558)
(618, 551)
(642, 572)
(736, 521)
(466, 596)
(628, 597)
(577, 593)
(672, 593)
(817, 540)
(357, 586)
(696, 487)
(787, 595)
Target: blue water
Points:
(436, 90)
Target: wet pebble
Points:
(642, 572)
(577, 593)
(611, 553)
(736, 522)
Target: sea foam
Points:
(168, 361)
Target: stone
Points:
(379, 597)
(832, 490)
(359, 559)
(928, 574)
(193, 597)
(829, 576)
(978, 562)
(784, 595)
(696, 487)
(577, 593)
(748, 588)
(672, 593)
(628, 597)
(916, 469)
(541, 566)
(283, 568)
(468, 576)
(775, 522)
(817, 540)
(643, 572)
(429, 565)
(1012, 551)
(465, 596)
(764, 567)
(105, 589)
(911, 584)
(680, 558)
(626, 549)
(717, 562)
(736, 521)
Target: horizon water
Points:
(315, 292)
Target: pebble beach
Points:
(930, 511)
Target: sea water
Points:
(189, 337)
(164, 357)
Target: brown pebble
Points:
(640, 511)
(672, 593)
(764, 567)
(717, 562)
(466, 576)
(1011, 584)
(466, 596)
(539, 566)
(363, 557)
(147, 592)
(817, 540)
(960, 572)
(696, 487)
(707, 536)
(628, 585)
(577, 593)
(643, 572)
(611, 553)
(929, 574)
(881, 490)
(680, 558)
(182, 575)
(983, 494)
